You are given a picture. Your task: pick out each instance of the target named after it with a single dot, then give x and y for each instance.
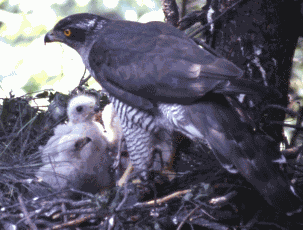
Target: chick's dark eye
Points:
(67, 32)
(79, 109)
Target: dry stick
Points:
(126, 192)
(274, 224)
(194, 218)
(223, 199)
(74, 222)
(81, 211)
(10, 216)
(191, 213)
(83, 81)
(125, 175)
(216, 201)
(83, 193)
(162, 200)
(29, 221)
(183, 221)
(63, 207)
(82, 78)
(24, 181)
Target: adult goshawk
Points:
(159, 79)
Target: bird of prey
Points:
(160, 81)
(77, 155)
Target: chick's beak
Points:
(97, 108)
(49, 37)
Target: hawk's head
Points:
(76, 31)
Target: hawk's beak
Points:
(49, 37)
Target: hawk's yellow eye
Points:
(67, 32)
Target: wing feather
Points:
(159, 63)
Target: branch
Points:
(74, 222)
(28, 219)
(171, 12)
(162, 200)
(219, 201)
(213, 21)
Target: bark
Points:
(260, 37)
(170, 10)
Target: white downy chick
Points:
(77, 155)
(114, 136)
(113, 130)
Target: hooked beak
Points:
(50, 37)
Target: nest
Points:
(201, 195)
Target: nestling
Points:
(77, 155)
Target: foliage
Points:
(27, 65)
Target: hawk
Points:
(160, 81)
(77, 155)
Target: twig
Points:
(274, 224)
(10, 216)
(83, 81)
(55, 201)
(28, 220)
(70, 202)
(223, 199)
(23, 181)
(74, 222)
(207, 47)
(286, 110)
(63, 207)
(125, 175)
(171, 12)
(183, 221)
(126, 192)
(213, 21)
(81, 211)
(162, 200)
(81, 192)
(204, 212)
(191, 213)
